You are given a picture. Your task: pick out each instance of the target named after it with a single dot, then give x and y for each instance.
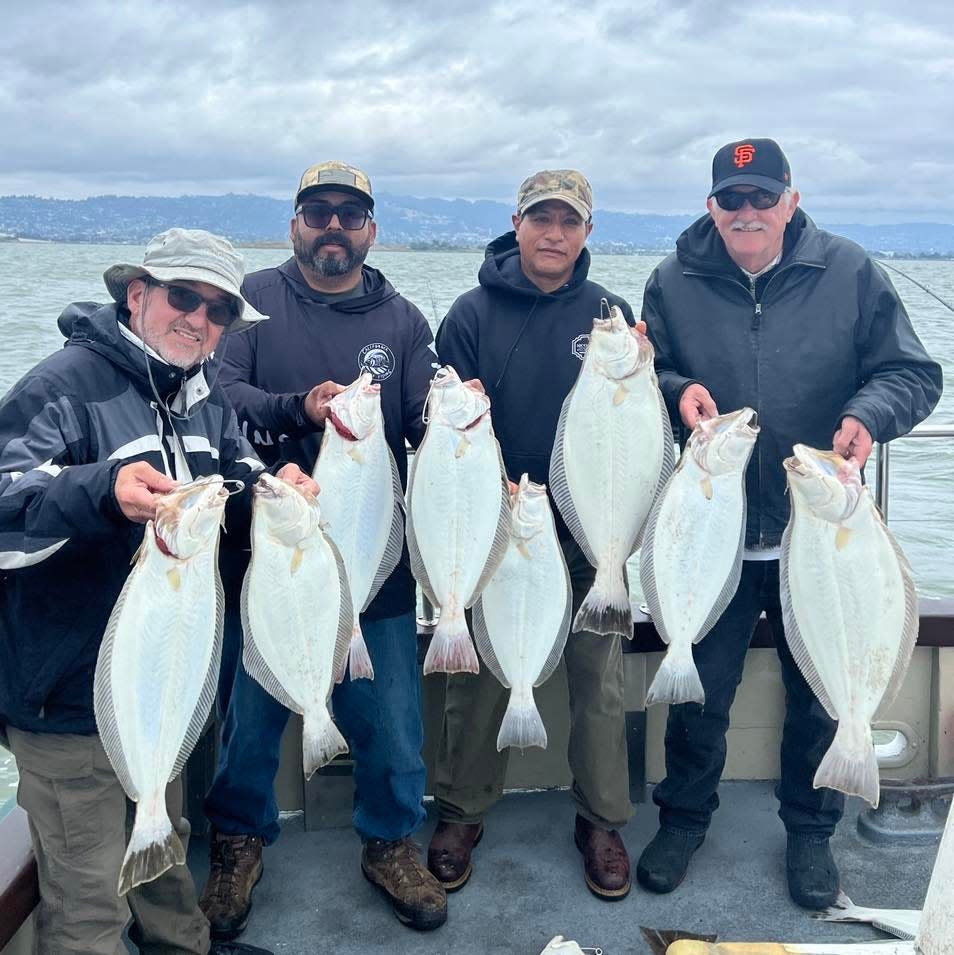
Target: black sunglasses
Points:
(184, 299)
(318, 215)
(732, 200)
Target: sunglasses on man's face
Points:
(318, 215)
(184, 299)
(732, 199)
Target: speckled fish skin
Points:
(296, 612)
(458, 515)
(158, 666)
(612, 454)
(691, 559)
(850, 609)
(361, 502)
(522, 618)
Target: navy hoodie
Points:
(268, 371)
(526, 346)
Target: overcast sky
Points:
(453, 98)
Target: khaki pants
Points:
(469, 775)
(80, 820)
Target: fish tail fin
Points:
(451, 649)
(850, 765)
(321, 741)
(153, 846)
(359, 660)
(521, 725)
(677, 679)
(606, 609)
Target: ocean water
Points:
(38, 279)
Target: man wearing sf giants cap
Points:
(758, 307)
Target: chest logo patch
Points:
(378, 359)
(579, 345)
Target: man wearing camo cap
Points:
(522, 334)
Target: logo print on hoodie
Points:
(378, 359)
(579, 345)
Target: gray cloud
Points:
(455, 99)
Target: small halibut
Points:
(296, 613)
(612, 454)
(159, 664)
(458, 515)
(691, 559)
(850, 609)
(522, 618)
(361, 502)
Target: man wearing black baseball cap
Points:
(758, 307)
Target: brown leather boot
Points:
(234, 870)
(417, 898)
(605, 860)
(448, 855)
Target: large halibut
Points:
(158, 666)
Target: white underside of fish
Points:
(521, 622)
(612, 453)
(296, 615)
(457, 530)
(936, 928)
(154, 686)
(902, 923)
(361, 507)
(851, 621)
(690, 565)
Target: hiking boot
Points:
(236, 948)
(448, 855)
(605, 860)
(235, 866)
(417, 898)
(813, 880)
(665, 861)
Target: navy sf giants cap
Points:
(751, 162)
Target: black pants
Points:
(695, 734)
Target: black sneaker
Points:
(236, 948)
(813, 880)
(665, 861)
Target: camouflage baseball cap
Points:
(567, 185)
(338, 176)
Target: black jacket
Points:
(820, 336)
(526, 346)
(270, 369)
(65, 548)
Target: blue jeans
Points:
(695, 734)
(380, 718)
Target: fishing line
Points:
(923, 288)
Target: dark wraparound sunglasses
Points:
(732, 199)
(318, 215)
(184, 299)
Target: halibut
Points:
(612, 454)
(691, 559)
(458, 515)
(158, 666)
(361, 502)
(296, 613)
(522, 618)
(849, 606)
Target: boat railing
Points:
(883, 471)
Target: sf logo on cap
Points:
(744, 154)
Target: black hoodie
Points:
(269, 370)
(526, 346)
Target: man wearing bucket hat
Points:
(330, 318)
(88, 439)
(758, 307)
(523, 333)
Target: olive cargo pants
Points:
(469, 775)
(80, 820)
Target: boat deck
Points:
(528, 886)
